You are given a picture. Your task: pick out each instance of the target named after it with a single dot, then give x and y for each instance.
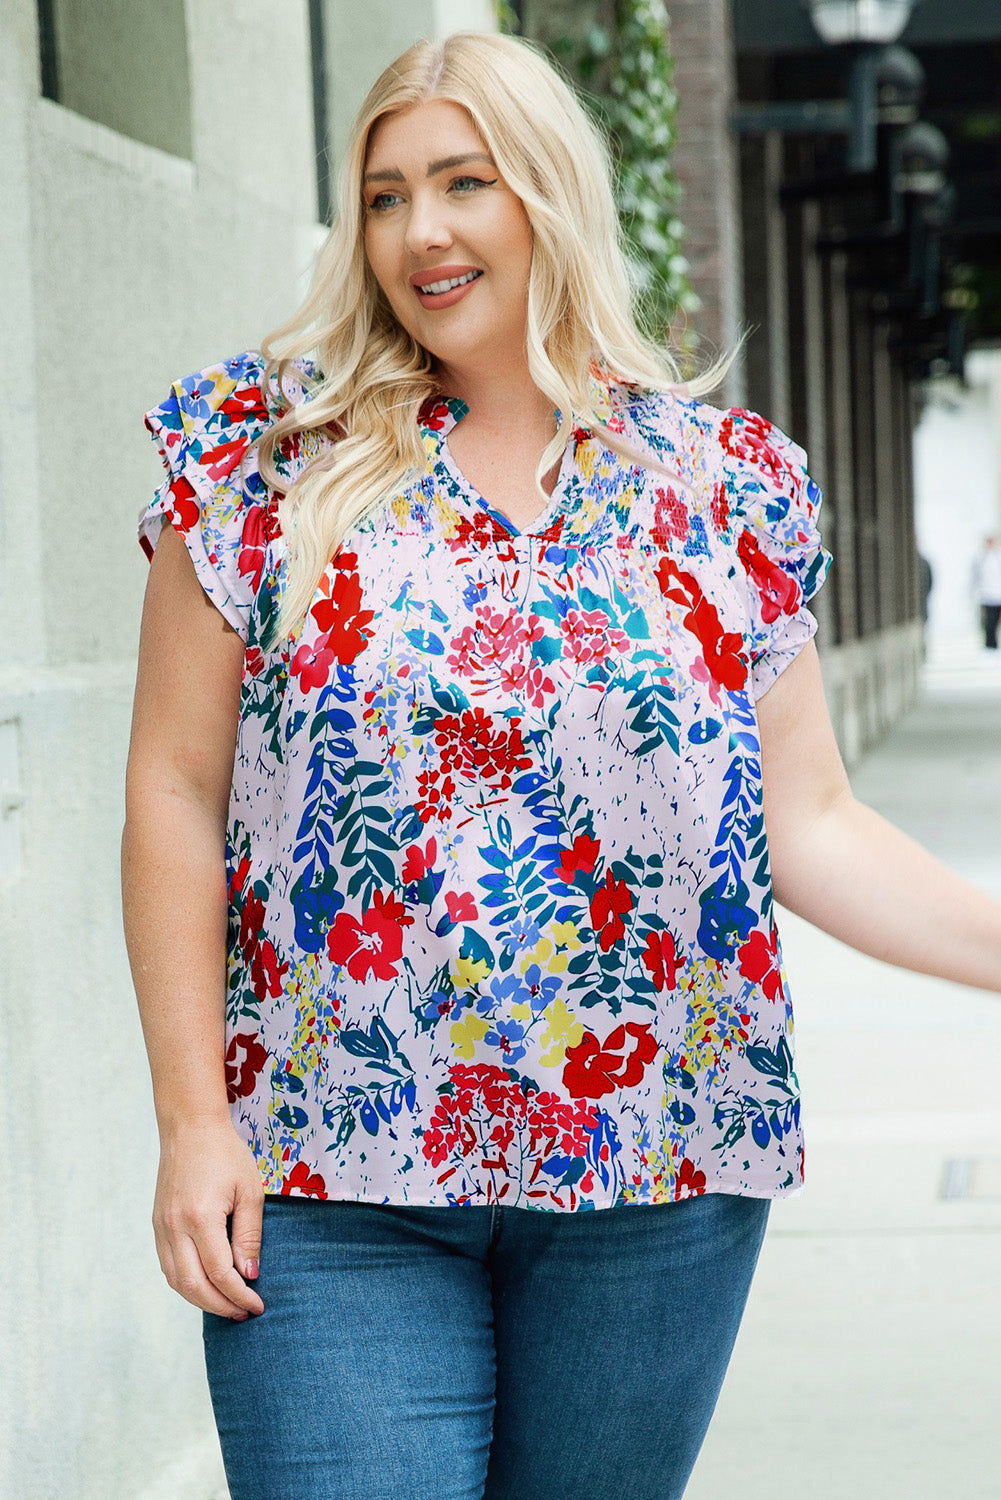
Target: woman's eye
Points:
(382, 201)
(470, 184)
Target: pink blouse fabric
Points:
(501, 923)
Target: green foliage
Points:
(625, 72)
(506, 17)
(641, 110)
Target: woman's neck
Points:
(501, 398)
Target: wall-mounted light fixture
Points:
(872, 21)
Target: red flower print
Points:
(744, 434)
(720, 648)
(299, 1179)
(392, 910)
(251, 922)
(531, 679)
(311, 664)
(253, 661)
(581, 857)
(221, 461)
(758, 960)
(609, 905)
(498, 642)
(662, 959)
(434, 414)
(253, 541)
(238, 878)
(371, 946)
(266, 970)
(419, 862)
(720, 507)
(670, 518)
(184, 507)
(338, 612)
(779, 592)
(461, 906)
(689, 1183)
(472, 747)
(472, 536)
(588, 637)
(246, 402)
(595, 1068)
(487, 1110)
(241, 1072)
(266, 973)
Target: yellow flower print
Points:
(585, 456)
(522, 1011)
(546, 954)
(536, 955)
(467, 1032)
(702, 985)
(562, 1031)
(468, 972)
(565, 933)
(448, 516)
(310, 445)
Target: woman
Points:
(476, 661)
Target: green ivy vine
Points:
(625, 72)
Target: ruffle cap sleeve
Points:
(773, 507)
(213, 495)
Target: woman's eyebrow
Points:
(393, 174)
(458, 161)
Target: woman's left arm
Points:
(844, 868)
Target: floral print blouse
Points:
(501, 924)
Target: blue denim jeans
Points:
(481, 1353)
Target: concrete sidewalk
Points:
(869, 1363)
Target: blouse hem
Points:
(730, 1189)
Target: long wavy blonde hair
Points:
(372, 377)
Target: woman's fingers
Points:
(245, 1230)
(216, 1255)
(193, 1281)
(208, 1180)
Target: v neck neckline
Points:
(441, 423)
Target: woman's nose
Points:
(427, 226)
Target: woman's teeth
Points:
(437, 287)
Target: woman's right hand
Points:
(208, 1176)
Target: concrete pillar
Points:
(840, 450)
(766, 293)
(808, 373)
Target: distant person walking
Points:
(988, 584)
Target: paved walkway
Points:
(869, 1364)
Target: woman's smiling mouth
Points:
(443, 290)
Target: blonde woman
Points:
(475, 666)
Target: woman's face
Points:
(447, 240)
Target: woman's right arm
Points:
(175, 906)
